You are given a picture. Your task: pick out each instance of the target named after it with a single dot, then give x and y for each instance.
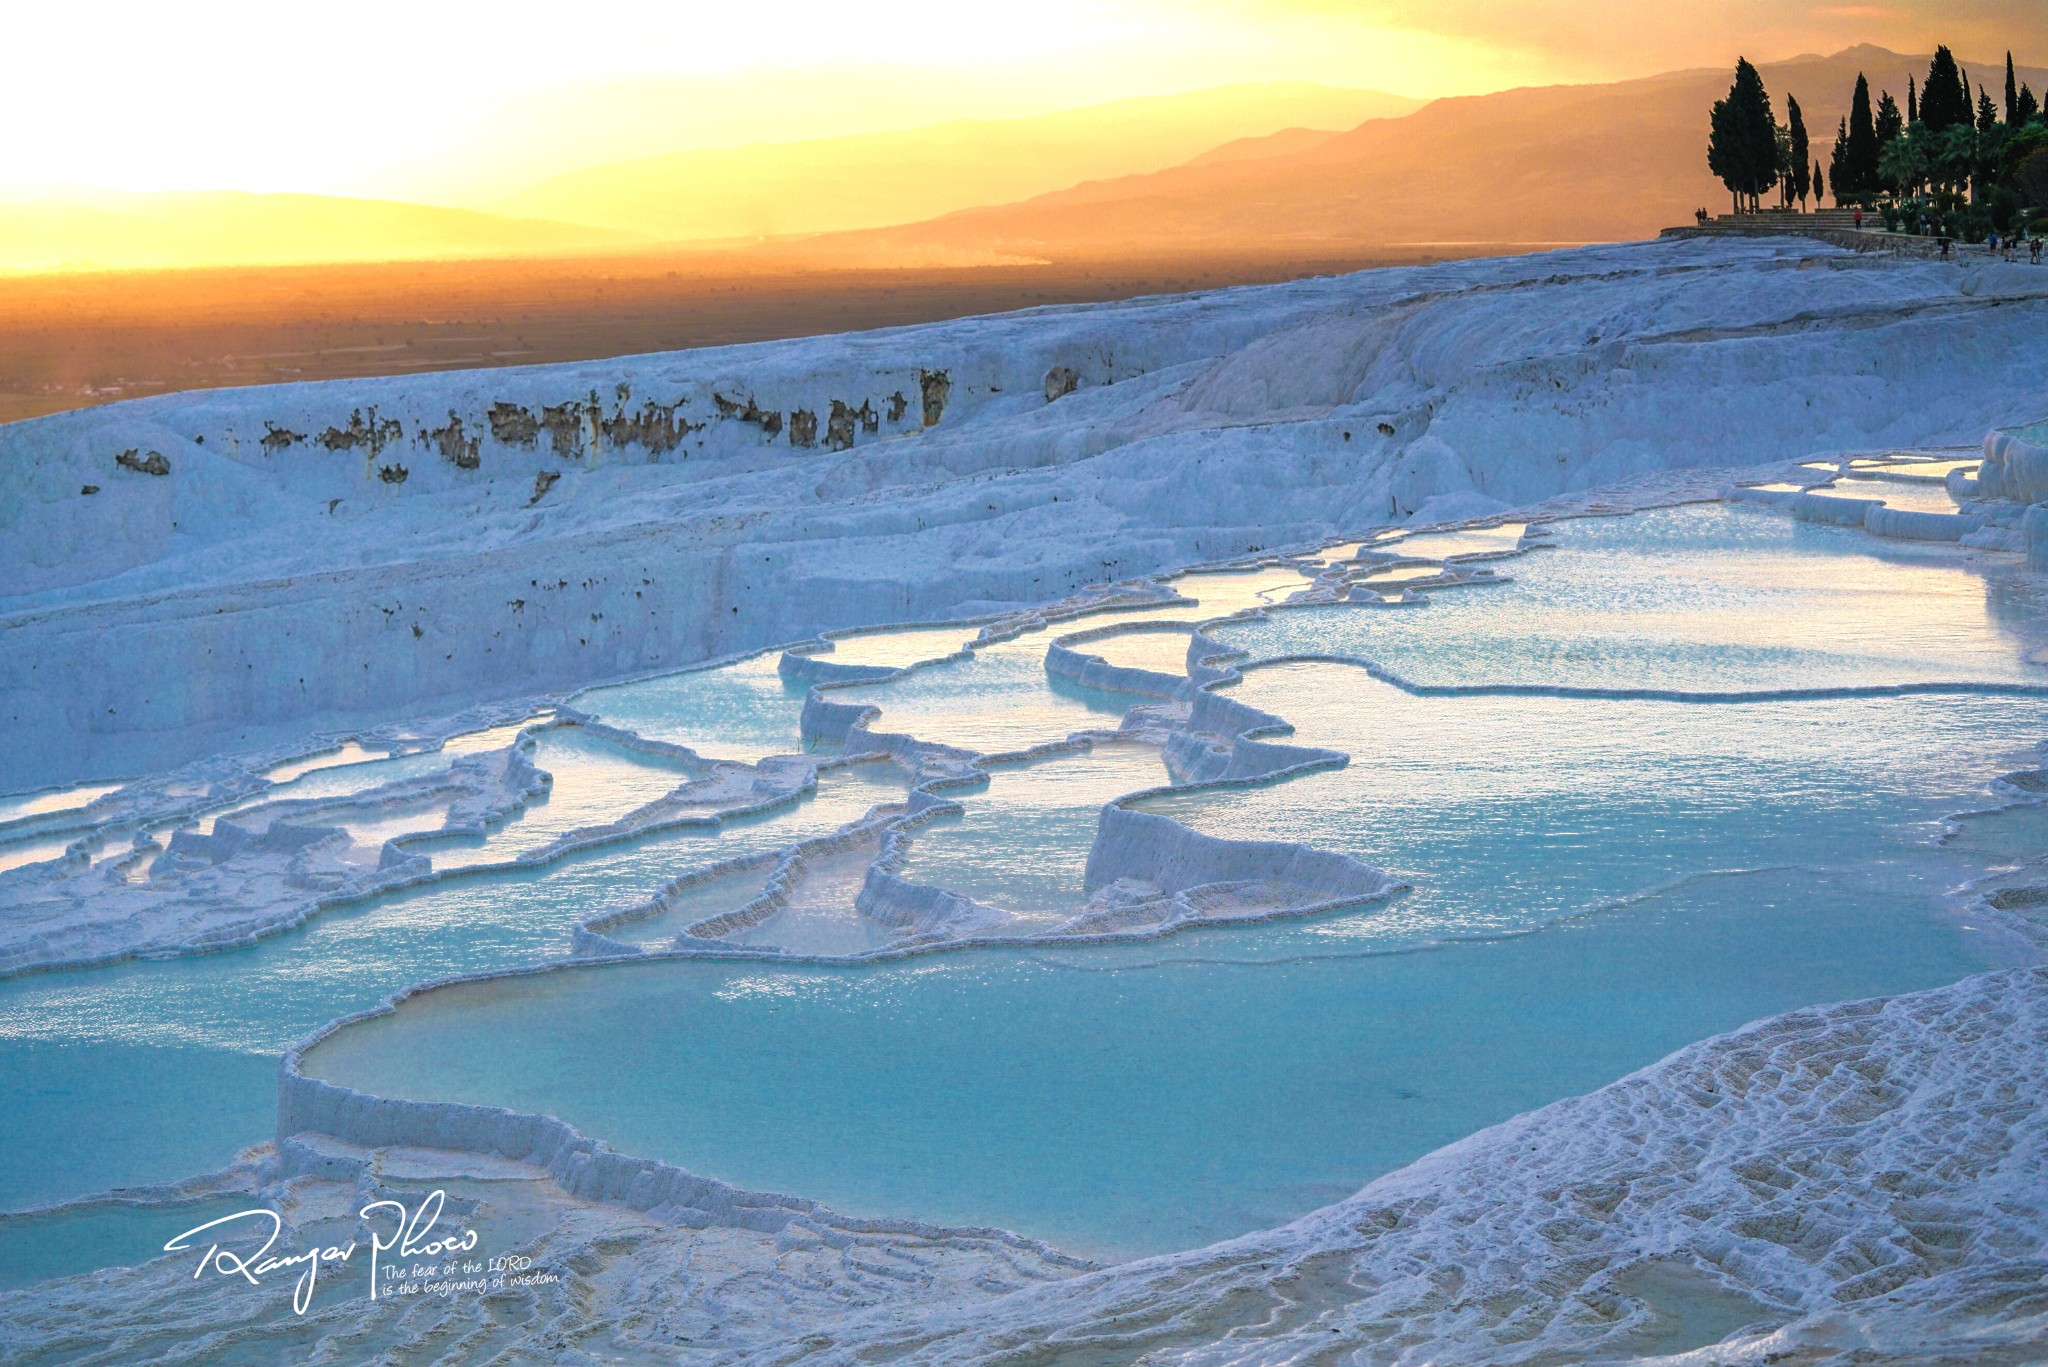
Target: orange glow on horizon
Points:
(525, 109)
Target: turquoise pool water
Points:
(1594, 882)
(1132, 1099)
(159, 1070)
(1703, 598)
(743, 711)
(1022, 844)
(998, 700)
(1510, 812)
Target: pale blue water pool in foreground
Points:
(1132, 1099)
(184, 1051)
(1595, 882)
(35, 1248)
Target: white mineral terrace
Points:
(1484, 813)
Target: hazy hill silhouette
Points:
(1555, 164)
(874, 179)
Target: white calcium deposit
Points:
(337, 555)
(328, 564)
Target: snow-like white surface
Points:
(1854, 1178)
(271, 584)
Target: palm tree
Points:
(1903, 163)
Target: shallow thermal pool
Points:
(1542, 808)
(185, 1050)
(1162, 652)
(1022, 843)
(742, 711)
(1593, 881)
(1709, 598)
(1130, 1099)
(999, 699)
(1935, 470)
(53, 800)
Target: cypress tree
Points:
(1980, 164)
(1839, 160)
(1944, 99)
(1797, 183)
(1912, 103)
(1820, 185)
(1724, 143)
(1890, 124)
(1742, 144)
(2027, 107)
(1859, 167)
(2012, 93)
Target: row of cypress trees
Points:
(1945, 144)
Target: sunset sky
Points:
(454, 101)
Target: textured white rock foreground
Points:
(333, 556)
(1862, 1183)
(619, 1286)
(1856, 1184)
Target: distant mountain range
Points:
(874, 179)
(1531, 167)
(1277, 170)
(726, 196)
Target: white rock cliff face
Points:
(341, 554)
